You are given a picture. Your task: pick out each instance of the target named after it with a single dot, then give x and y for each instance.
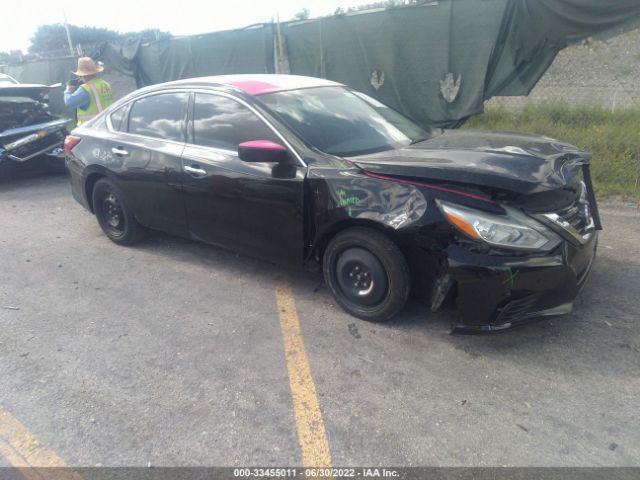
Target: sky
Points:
(184, 17)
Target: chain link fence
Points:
(589, 97)
(597, 74)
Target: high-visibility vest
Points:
(100, 93)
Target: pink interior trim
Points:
(254, 87)
(263, 145)
(429, 185)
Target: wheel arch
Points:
(90, 182)
(322, 241)
(370, 249)
(425, 265)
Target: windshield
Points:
(342, 122)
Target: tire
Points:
(367, 274)
(115, 218)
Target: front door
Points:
(251, 208)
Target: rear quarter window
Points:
(118, 119)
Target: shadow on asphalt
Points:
(19, 175)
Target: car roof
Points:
(256, 84)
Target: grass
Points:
(613, 138)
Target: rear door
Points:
(252, 208)
(149, 144)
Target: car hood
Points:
(507, 161)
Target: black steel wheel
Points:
(367, 274)
(115, 219)
(361, 276)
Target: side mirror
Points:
(262, 151)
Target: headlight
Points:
(513, 230)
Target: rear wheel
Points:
(113, 215)
(367, 274)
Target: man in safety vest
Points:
(93, 95)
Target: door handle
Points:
(195, 171)
(119, 152)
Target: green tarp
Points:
(400, 56)
(469, 49)
(437, 62)
(237, 51)
(534, 31)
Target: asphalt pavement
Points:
(172, 353)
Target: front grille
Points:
(575, 221)
(37, 146)
(574, 216)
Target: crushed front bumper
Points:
(496, 292)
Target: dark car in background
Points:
(27, 127)
(306, 172)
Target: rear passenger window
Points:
(159, 116)
(223, 123)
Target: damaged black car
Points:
(308, 173)
(27, 127)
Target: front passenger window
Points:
(223, 123)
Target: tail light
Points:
(70, 141)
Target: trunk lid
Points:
(16, 112)
(27, 90)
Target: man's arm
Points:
(78, 99)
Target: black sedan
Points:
(308, 173)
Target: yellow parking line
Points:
(311, 432)
(24, 451)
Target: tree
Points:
(53, 37)
(14, 56)
(147, 35)
(302, 14)
(380, 4)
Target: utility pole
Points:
(66, 27)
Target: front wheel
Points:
(367, 274)
(116, 220)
